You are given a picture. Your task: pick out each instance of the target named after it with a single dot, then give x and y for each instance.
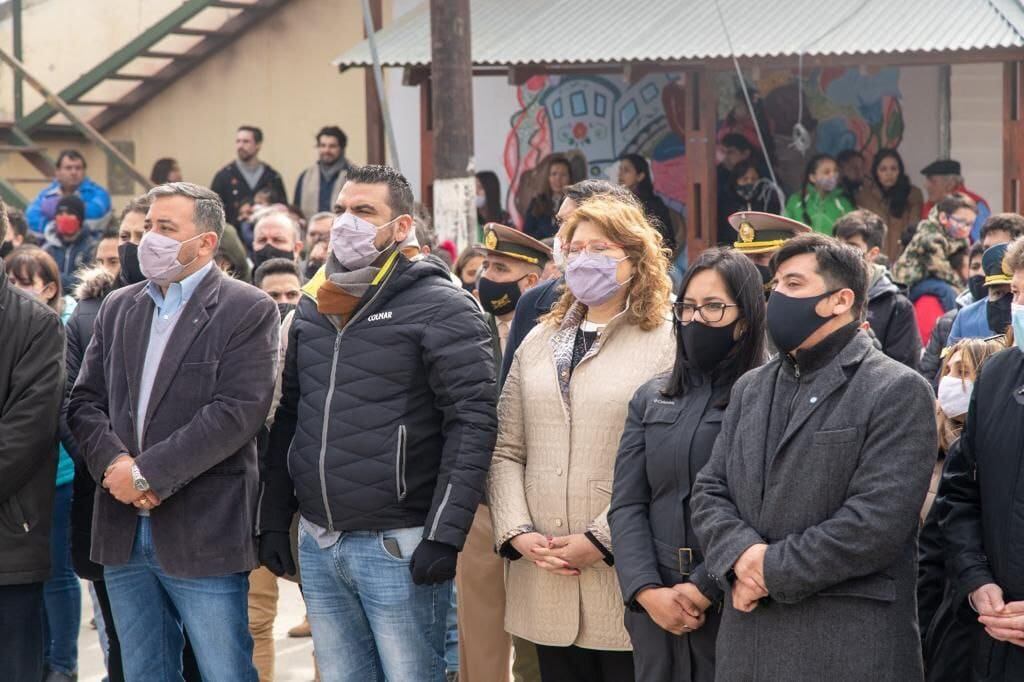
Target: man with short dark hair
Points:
(944, 177)
(382, 441)
(31, 388)
(1001, 228)
(106, 254)
(69, 179)
(279, 279)
(318, 186)
(239, 181)
(808, 508)
(890, 313)
(174, 386)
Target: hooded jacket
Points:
(927, 255)
(891, 315)
(70, 256)
(31, 386)
(388, 422)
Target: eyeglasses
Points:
(593, 247)
(709, 312)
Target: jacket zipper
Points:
(400, 486)
(327, 405)
(19, 515)
(323, 434)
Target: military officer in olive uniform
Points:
(513, 263)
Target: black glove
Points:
(276, 553)
(433, 562)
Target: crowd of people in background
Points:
(561, 454)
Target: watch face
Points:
(141, 485)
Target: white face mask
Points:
(480, 201)
(954, 395)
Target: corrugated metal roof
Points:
(517, 32)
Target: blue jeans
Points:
(62, 593)
(150, 608)
(370, 622)
(451, 637)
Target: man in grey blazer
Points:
(808, 508)
(173, 388)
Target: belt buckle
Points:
(685, 560)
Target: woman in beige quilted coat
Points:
(561, 415)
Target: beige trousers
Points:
(485, 649)
(262, 611)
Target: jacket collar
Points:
(826, 381)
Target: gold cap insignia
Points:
(747, 233)
(491, 240)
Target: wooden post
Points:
(451, 78)
(1013, 137)
(375, 149)
(702, 193)
(426, 146)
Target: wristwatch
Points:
(141, 484)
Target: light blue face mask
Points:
(1017, 318)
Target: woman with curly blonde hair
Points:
(561, 414)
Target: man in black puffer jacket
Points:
(383, 439)
(31, 383)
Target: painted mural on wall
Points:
(596, 119)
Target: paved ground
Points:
(294, 656)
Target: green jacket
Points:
(927, 255)
(820, 212)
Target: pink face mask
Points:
(352, 240)
(592, 278)
(158, 258)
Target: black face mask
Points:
(976, 284)
(6, 248)
(284, 309)
(745, 192)
(706, 347)
(792, 320)
(131, 273)
(469, 286)
(498, 298)
(998, 313)
(267, 252)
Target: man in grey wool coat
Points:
(808, 508)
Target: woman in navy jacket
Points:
(673, 421)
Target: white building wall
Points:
(976, 128)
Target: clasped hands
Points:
(117, 479)
(678, 609)
(565, 555)
(750, 586)
(1003, 621)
